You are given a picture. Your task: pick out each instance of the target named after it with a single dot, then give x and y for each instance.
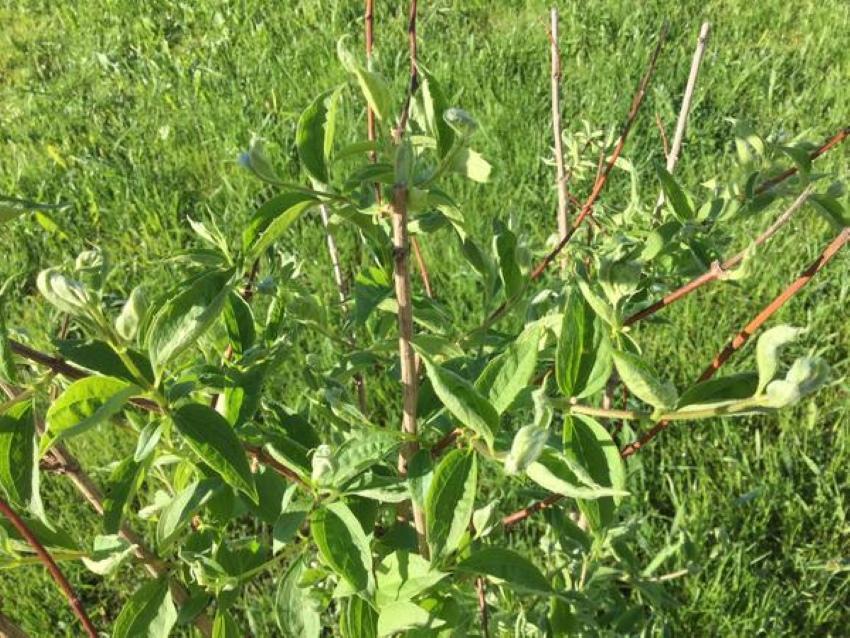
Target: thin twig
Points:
(369, 20)
(687, 99)
(481, 591)
(665, 146)
(743, 336)
(561, 174)
(717, 270)
(47, 560)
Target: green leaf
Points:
(343, 545)
(239, 323)
(150, 613)
(286, 527)
(558, 474)
(507, 566)
(472, 165)
(362, 451)
(590, 446)
(107, 555)
(767, 352)
(373, 86)
(210, 436)
(806, 375)
(463, 401)
(730, 388)
(132, 314)
(277, 227)
(434, 106)
(404, 576)
(506, 250)
(270, 211)
(526, 447)
(571, 343)
(674, 194)
(18, 454)
(295, 613)
(311, 137)
(123, 483)
(358, 619)
(402, 616)
(642, 382)
(187, 315)
(224, 626)
(84, 404)
(450, 502)
(831, 209)
(10, 207)
(7, 361)
(507, 375)
(99, 357)
(176, 514)
(66, 294)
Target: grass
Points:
(134, 113)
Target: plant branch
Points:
(687, 99)
(369, 20)
(717, 270)
(56, 573)
(407, 357)
(481, 591)
(743, 336)
(561, 173)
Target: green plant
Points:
(185, 372)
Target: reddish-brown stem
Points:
(717, 270)
(831, 143)
(445, 442)
(521, 515)
(369, 19)
(9, 629)
(47, 560)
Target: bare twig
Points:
(561, 175)
(687, 99)
(665, 146)
(481, 591)
(47, 560)
(741, 338)
(718, 269)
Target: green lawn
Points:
(135, 113)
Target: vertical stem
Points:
(369, 19)
(8, 629)
(481, 590)
(561, 183)
(45, 557)
(342, 289)
(682, 122)
(401, 276)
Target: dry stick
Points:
(682, 122)
(45, 557)
(561, 183)
(369, 19)
(740, 339)
(716, 271)
(664, 145)
(601, 180)
(9, 629)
